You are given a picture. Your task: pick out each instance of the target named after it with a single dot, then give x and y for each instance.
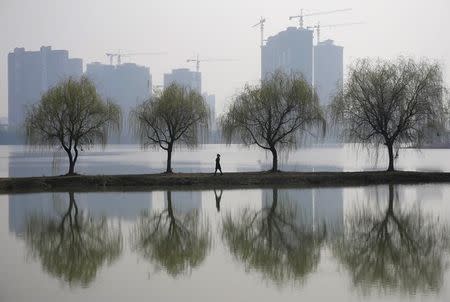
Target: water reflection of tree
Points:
(394, 249)
(177, 242)
(272, 241)
(74, 246)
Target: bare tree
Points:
(71, 115)
(175, 114)
(273, 114)
(390, 103)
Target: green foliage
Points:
(272, 241)
(177, 244)
(71, 115)
(175, 114)
(393, 249)
(73, 247)
(273, 114)
(391, 103)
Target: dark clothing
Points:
(218, 163)
(218, 167)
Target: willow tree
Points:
(71, 115)
(393, 248)
(274, 241)
(273, 114)
(73, 246)
(391, 103)
(176, 114)
(177, 242)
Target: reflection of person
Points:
(218, 165)
(218, 198)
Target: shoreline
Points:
(199, 181)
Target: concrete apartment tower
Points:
(290, 51)
(127, 85)
(184, 77)
(328, 70)
(32, 73)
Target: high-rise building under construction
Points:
(290, 51)
(328, 70)
(32, 73)
(184, 77)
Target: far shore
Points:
(205, 181)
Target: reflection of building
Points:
(290, 51)
(184, 202)
(125, 206)
(328, 70)
(31, 73)
(313, 208)
(184, 77)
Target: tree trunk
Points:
(71, 167)
(71, 162)
(391, 156)
(169, 204)
(391, 199)
(169, 159)
(274, 159)
(274, 200)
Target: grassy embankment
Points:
(187, 181)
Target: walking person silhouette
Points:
(218, 167)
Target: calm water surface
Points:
(126, 159)
(338, 244)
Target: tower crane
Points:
(197, 61)
(119, 55)
(318, 27)
(300, 17)
(261, 26)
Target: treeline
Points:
(392, 103)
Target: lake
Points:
(342, 244)
(130, 159)
(376, 243)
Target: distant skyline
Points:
(216, 30)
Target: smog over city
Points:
(224, 150)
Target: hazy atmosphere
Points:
(216, 30)
(224, 151)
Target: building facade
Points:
(126, 84)
(290, 51)
(184, 77)
(211, 101)
(328, 70)
(32, 73)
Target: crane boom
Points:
(261, 25)
(119, 55)
(318, 27)
(300, 17)
(197, 61)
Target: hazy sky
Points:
(216, 29)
